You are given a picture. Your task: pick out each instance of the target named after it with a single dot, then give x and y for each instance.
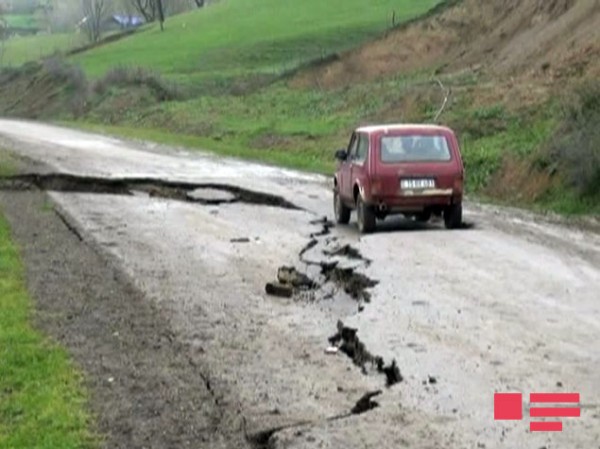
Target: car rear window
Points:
(415, 148)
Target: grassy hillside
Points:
(285, 82)
(240, 38)
(21, 21)
(19, 50)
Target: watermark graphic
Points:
(509, 407)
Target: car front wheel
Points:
(365, 216)
(342, 212)
(453, 216)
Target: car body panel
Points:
(379, 183)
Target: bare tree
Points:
(47, 7)
(94, 13)
(147, 8)
(151, 10)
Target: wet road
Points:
(511, 305)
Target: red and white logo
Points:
(544, 415)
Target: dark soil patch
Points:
(147, 389)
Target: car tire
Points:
(342, 212)
(365, 216)
(453, 216)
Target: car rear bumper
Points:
(415, 201)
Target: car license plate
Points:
(417, 184)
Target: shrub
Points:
(123, 77)
(75, 83)
(576, 143)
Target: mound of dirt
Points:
(45, 89)
(503, 37)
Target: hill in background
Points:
(505, 38)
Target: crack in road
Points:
(350, 344)
(202, 193)
(263, 439)
(68, 224)
(353, 283)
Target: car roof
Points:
(401, 127)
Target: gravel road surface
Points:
(510, 304)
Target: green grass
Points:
(19, 50)
(21, 21)
(483, 156)
(309, 160)
(236, 38)
(567, 202)
(302, 128)
(42, 402)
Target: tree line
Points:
(95, 12)
(89, 15)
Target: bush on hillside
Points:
(72, 79)
(576, 144)
(123, 77)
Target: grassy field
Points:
(42, 403)
(19, 50)
(21, 20)
(238, 38)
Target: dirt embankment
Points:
(556, 38)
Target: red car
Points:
(415, 170)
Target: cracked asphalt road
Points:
(510, 305)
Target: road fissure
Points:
(201, 193)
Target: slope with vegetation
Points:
(285, 81)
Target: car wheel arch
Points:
(356, 191)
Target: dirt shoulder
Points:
(145, 390)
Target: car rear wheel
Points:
(365, 216)
(342, 212)
(453, 216)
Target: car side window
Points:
(362, 149)
(352, 146)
